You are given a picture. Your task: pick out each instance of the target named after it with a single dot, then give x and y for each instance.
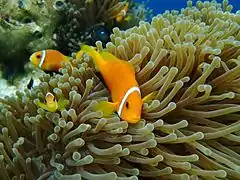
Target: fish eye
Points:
(127, 105)
(38, 56)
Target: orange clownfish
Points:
(49, 60)
(119, 76)
(123, 13)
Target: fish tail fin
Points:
(150, 97)
(94, 54)
(106, 107)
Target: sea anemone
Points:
(189, 131)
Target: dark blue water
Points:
(159, 6)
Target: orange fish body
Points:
(119, 77)
(49, 60)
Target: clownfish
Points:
(119, 77)
(123, 13)
(49, 60)
(51, 104)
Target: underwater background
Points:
(60, 120)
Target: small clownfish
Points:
(119, 76)
(49, 60)
(51, 104)
(123, 13)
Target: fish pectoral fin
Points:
(62, 103)
(47, 107)
(41, 105)
(150, 97)
(107, 108)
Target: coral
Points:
(191, 129)
(20, 83)
(25, 26)
(92, 20)
(5, 89)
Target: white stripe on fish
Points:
(130, 91)
(42, 58)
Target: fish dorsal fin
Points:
(97, 58)
(110, 57)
